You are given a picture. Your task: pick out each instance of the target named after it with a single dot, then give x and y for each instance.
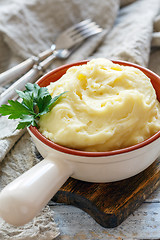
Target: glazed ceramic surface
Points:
(22, 199)
(102, 168)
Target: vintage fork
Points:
(66, 40)
(64, 45)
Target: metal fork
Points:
(65, 44)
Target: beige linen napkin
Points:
(130, 39)
(30, 26)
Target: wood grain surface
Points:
(75, 224)
(111, 203)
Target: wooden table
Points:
(75, 224)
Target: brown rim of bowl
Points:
(63, 149)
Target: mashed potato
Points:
(107, 107)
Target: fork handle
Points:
(17, 71)
(46, 53)
(22, 68)
(30, 76)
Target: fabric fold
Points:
(130, 38)
(8, 135)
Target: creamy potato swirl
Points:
(107, 107)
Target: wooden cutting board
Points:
(110, 203)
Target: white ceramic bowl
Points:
(22, 199)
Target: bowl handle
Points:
(22, 199)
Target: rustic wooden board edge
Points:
(136, 201)
(104, 219)
(85, 205)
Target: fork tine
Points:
(85, 34)
(86, 31)
(91, 32)
(89, 24)
(83, 30)
(77, 34)
(82, 23)
(87, 28)
(78, 25)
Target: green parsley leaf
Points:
(15, 109)
(43, 104)
(28, 99)
(54, 100)
(27, 121)
(36, 101)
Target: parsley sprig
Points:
(36, 102)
